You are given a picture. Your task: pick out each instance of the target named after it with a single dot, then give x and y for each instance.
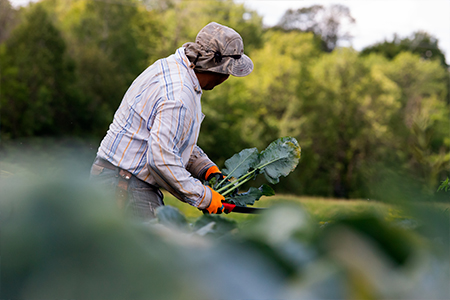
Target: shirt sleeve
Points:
(169, 135)
(199, 163)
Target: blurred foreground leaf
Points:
(172, 217)
(218, 225)
(64, 239)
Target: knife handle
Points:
(228, 207)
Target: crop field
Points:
(62, 238)
(323, 209)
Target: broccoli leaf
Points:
(241, 162)
(252, 195)
(267, 190)
(172, 217)
(220, 226)
(279, 158)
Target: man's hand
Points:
(216, 205)
(213, 172)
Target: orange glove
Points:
(212, 171)
(216, 205)
(215, 172)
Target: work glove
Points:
(216, 205)
(214, 172)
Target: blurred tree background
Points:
(65, 65)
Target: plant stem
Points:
(242, 177)
(241, 180)
(232, 184)
(266, 164)
(236, 186)
(223, 180)
(229, 175)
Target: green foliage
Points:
(69, 241)
(213, 225)
(241, 162)
(419, 42)
(65, 66)
(66, 239)
(423, 115)
(111, 44)
(279, 159)
(252, 195)
(445, 185)
(206, 225)
(38, 95)
(352, 109)
(171, 217)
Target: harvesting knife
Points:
(241, 209)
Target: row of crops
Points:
(63, 239)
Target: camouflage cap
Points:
(219, 49)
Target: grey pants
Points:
(142, 198)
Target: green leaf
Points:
(221, 225)
(279, 159)
(445, 185)
(241, 162)
(252, 195)
(171, 217)
(267, 190)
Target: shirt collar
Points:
(182, 58)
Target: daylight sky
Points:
(376, 20)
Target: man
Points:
(152, 141)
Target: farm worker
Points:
(152, 140)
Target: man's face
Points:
(213, 79)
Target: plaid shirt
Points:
(155, 130)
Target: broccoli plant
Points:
(280, 158)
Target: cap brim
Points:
(241, 67)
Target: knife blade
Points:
(242, 209)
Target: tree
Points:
(348, 121)
(276, 86)
(330, 23)
(423, 119)
(7, 19)
(420, 42)
(110, 43)
(183, 20)
(104, 46)
(37, 75)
